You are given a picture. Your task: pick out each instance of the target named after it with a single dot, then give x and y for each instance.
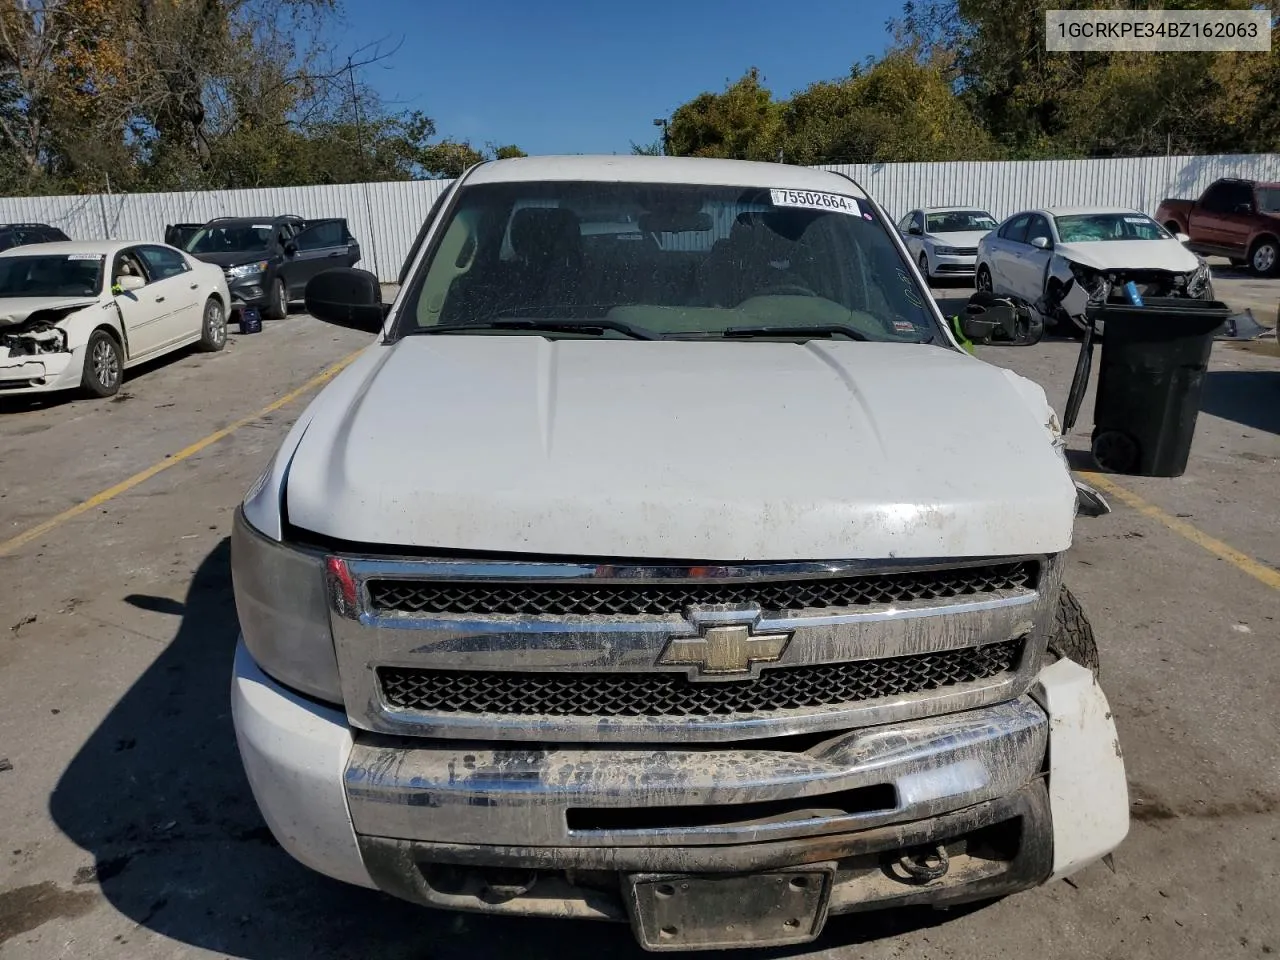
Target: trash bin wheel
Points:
(1115, 451)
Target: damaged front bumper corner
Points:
(40, 372)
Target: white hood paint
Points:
(968, 238)
(16, 309)
(1131, 255)
(677, 450)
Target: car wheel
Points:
(983, 279)
(278, 307)
(213, 329)
(1264, 258)
(924, 266)
(1072, 637)
(103, 365)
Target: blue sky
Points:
(575, 76)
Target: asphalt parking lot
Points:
(129, 830)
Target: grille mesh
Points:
(673, 695)
(650, 598)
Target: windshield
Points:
(51, 275)
(231, 238)
(960, 221)
(1088, 227)
(1268, 199)
(669, 260)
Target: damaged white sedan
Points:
(78, 314)
(1060, 260)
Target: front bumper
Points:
(953, 265)
(252, 291)
(1014, 793)
(41, 373)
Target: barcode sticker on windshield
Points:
(814, 200)
(84, 256)
(262, 226)
(1135, 219)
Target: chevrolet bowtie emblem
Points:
(725, 651)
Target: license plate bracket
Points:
(719, 911)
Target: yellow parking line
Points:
(1241, 561)
(40, 529)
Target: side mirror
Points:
(290, 248)
(130, 282)
(1089, 502)
(1040, 243)
(346, 297)
(983, 314)
(914, 230)
(1244, 207)
(1181, 237)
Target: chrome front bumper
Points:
(582, 796)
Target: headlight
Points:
(284, 614)
(1196, 282)
(946, 251)
(247, 270)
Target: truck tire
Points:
(1264, 257)
(1072, 637)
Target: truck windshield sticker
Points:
(815, 200)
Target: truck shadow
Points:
(158, 797)
(1250, 398)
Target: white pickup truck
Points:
(685, 578)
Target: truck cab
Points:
(1234, 218)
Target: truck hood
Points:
(1131, 255)
(681, 450)
(15, 310)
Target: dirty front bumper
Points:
(1006, 796)
(35, 373)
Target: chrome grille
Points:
(673, 695)
(655, 598)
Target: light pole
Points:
(660, 122)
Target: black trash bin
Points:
(1150, 379)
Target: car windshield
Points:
(960, 221)
(1088, 227)
(667, 260)
(231, 238)
(51, 275)
(1268, 199)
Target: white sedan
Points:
(943, 241)
(1061, 259)
(79, 314)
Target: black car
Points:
(19, 234)
(177, 234)
(268, 260)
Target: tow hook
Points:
(926, 864)
(501, 885)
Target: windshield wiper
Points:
(814, 330)
(597, 327)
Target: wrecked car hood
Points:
(14, 310)
(680, 450)
(1131, 255)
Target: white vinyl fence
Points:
(385, 217)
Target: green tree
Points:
(743, 123)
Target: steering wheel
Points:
(785, 290)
